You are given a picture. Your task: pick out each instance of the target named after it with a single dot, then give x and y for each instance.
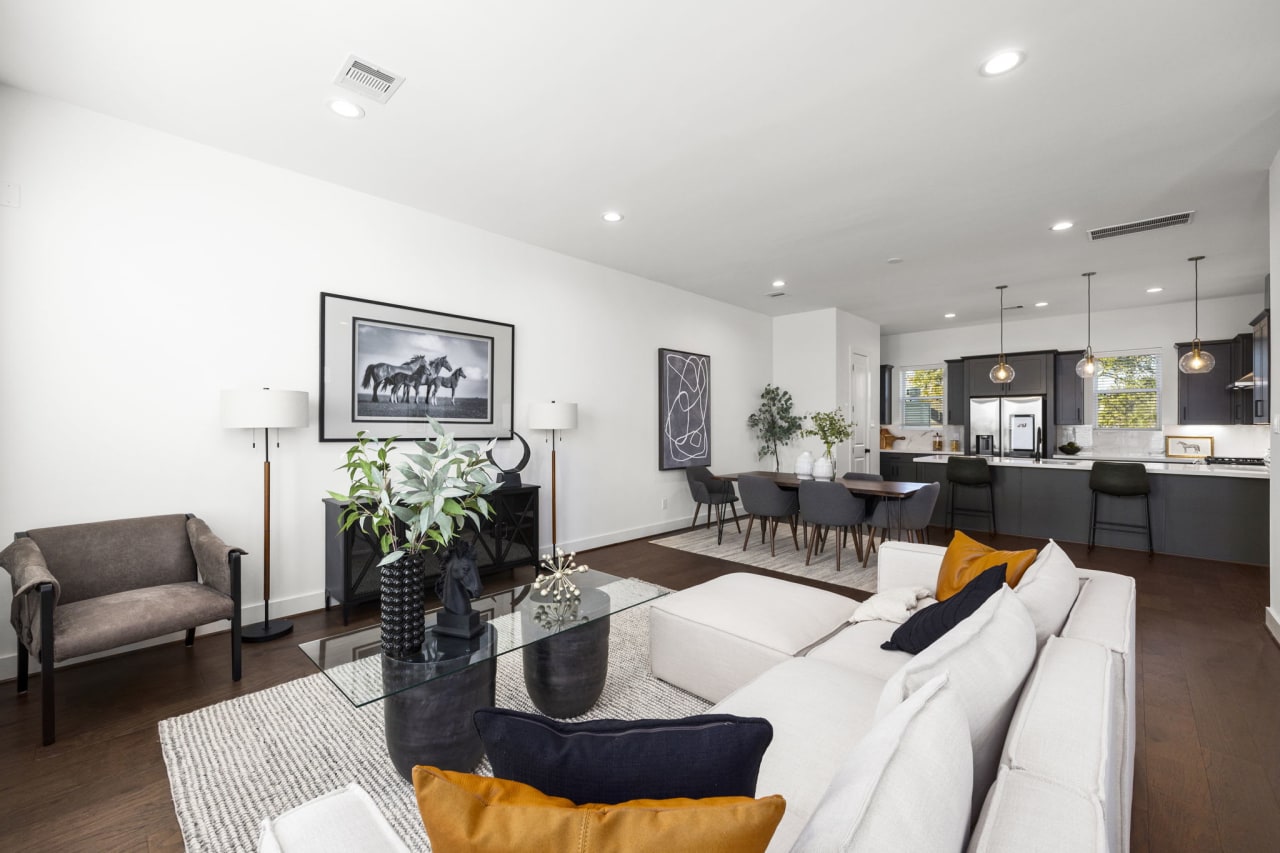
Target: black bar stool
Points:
(971, 472)
(1120, 480)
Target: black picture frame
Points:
(378, 361)
(684, 409)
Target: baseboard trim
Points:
(1273, 623)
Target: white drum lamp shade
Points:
(263, 407)
(553, 416)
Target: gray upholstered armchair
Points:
(86, 588)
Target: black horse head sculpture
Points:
(459, 580)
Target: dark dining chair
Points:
(911, 515)
(826, 505)
(766, 500)
(704, 488)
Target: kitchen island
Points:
(1218, 512)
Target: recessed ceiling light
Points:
(1002, 63)
(345, 108)
(1154, 289)
(611, 216)
(949, 316)
(1062, 226)
(894, 261)
(1041, 304)
(779, 283)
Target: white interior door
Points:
(860, 410)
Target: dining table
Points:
(893, 490)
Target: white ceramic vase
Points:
(823, 469)
(804, 465)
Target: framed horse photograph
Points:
(385, 368)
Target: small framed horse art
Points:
(384, 368)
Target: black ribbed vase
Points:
(403, 593)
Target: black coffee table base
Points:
(565, 673)
(431, 722)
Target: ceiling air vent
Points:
(1141, 225)
(367, 79)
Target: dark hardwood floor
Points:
(1208, 751)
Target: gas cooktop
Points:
(1234, 460)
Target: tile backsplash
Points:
(1227, 440)
(915, 439)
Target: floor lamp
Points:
(555, 417)
(265, 409)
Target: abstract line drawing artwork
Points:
(684, 409)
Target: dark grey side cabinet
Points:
(506, 540)
(957, 399)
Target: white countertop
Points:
(1199, 469)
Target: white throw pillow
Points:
(988, 656)
(893, 605)
(336, 822)
(1048, 590)
(905, 786)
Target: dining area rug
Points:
(822, 567)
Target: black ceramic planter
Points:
(403, 590)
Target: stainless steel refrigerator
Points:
(1015, 425)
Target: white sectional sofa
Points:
(1044, 674)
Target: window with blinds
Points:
(1128, 391)
(922, 396)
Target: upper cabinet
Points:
(1068, 390)
(886, 393)
(1031, 372)
(1203, 398)
(1241, 365)
(1262, 368)
(957, 400)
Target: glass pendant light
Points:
(1002, 372)
(1197, 361)
(1087, 366)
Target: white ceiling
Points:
(744, 140)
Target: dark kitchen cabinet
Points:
(506, 540)
(1203, 398)
(886, 393)
(957, 400)
(1262, 368)
(1241, 364)
(1068, 389)
(899, 467)
(1031, 374)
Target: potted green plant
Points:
(831, 428)
(774, 422)
(415, 501)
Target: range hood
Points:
(1246, 381)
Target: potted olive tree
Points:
(414, 502)
(774, 422)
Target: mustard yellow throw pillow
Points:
(966, 559)
(464, 813)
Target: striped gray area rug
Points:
(822, 567)
(234, 763)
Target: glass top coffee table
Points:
(565, 647)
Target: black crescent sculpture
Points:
(510, 477)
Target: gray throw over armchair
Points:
(85, 588)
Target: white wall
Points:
(811, 360)
(143, 273)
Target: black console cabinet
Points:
(351, 557)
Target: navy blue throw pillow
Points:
(927, 625)
(612, 761)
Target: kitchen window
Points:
(1128, 391)
(922, 395)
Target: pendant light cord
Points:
(1196, 261)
